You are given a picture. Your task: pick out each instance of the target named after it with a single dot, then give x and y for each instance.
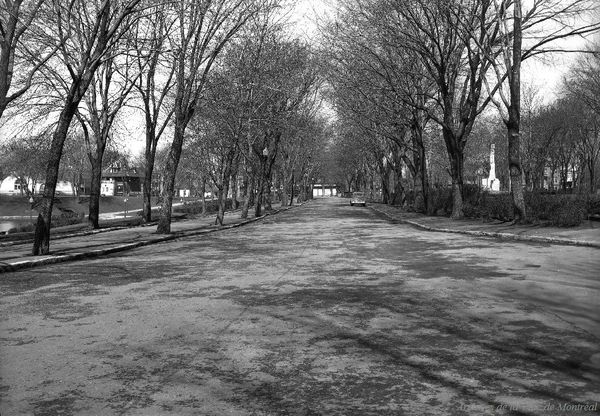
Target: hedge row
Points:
(564, 210)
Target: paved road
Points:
(324, 309)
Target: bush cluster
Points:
(563, 210)
(67, 217)
(440, 200)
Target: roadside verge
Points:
(445, 226)
(74, 254)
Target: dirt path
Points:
(322, 310)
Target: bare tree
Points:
(23, 157)
(253, 108)
(204, 29)
(525, 32)
(20, 57)
(583, 80)
(583, 87)
(306, 138)
(287, 85)
(384, 83)
(154, 85)
(90, 30)
(75, 164)
(444, 36)
(110, 88)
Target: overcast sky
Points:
(546, 73)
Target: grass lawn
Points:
(17, 205)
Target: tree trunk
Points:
(267, 194)
(385, 186)
(516, 174)
(398, 193)
(168, 191)
(421, 182)
(514, 119)
(150, 156)
(222, 202)
(203, 197)
(234, 192)
(94, 203)
(421, 177)
(250, 198)
(259, 197)
(41, 243)
(245, 196)
(591, 169)
(224, 186)
(293, 184)
(455, 143)
(283, 189)
(262, 185)
(456, 158)
(251, 193)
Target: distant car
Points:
(358, 198)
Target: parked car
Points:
(358, 198)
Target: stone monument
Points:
(491, 183)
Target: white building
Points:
(553, 180)
(119, 180)
(11, 185)
(320, 190)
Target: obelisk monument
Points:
(492, 183)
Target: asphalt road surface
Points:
(325, 309)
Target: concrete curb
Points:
(503, 236)
(61, 258)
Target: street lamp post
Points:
(31, 209)
(261, 193)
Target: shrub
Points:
(67, 217)
(569, 214)
(593, 204)
(473, 210)
(551, 209)
(441, 200)
(472, 194)
(560, 209)
(498, 206)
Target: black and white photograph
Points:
(299, 207)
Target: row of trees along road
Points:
(564, 136)
(402, 69)
(235, 91)
(260, 114)
(222, 76)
